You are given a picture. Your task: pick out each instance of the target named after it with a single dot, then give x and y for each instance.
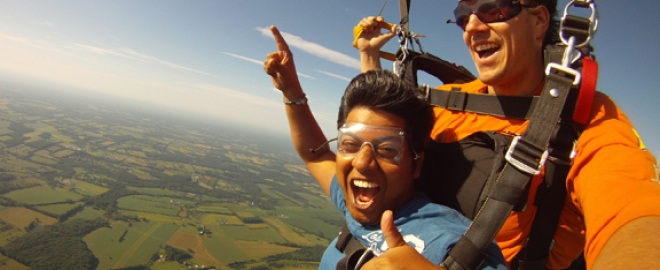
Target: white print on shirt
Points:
(373, 238)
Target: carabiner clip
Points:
(577, 25)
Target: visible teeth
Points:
(364, 184)
(484, 47)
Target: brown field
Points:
(243, 214)
(215, 219)
(63, 153)
(285, 231)
(184, 241)
(8, 264)
(257, 250)
(21, 217)
(259, 226)
(202, 184)
(43, 153)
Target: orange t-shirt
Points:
(613, 180)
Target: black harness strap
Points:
(356, 253)
(502, 106)
(550, 196)
(525, 157)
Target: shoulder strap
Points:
(525, 158)
(356, 253)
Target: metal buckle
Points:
(565, 69)
(593, 20)
(520, 165)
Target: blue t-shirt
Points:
(430, 228)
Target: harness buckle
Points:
(557, 67)
(521, 165)
(590, 29)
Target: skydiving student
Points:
(612, 207)
(383, 128)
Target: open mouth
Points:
(485, 50)
(364, 193)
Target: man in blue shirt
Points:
(383, 128)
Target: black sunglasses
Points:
(488, 11)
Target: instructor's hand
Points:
(399, 255)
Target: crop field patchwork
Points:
(42, 195)
(21, 217)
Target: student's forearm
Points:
(306, 134)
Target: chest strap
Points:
(502, 106)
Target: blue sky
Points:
(206, 57)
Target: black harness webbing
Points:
(503, 106)
(356, 253)
(525, 158)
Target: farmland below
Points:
(89, 184)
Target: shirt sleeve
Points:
(613, 179)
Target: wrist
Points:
(300, 100)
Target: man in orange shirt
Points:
(612, 208)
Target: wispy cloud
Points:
(245, 58)
(315, 49)
(261, 63)
(134, 55)
(334, 75)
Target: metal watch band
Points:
(299, 101)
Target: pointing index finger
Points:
(279, 40)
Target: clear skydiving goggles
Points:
(385, 142)
(488, 11)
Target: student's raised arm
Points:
(305, 131)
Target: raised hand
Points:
(399, 255)
(369, 36)
(279, 65)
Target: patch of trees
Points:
(16, 139)
(308, 254)
(45, 135)
(70, 213)
(40, 144)
(58, 246)
(108, 200)
(176, 255)
(19, 127)
(252, 220)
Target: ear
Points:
(417, 170)
(540, 22)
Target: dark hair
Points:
(552, 35)
(383, 90)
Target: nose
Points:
(474, 24)
(365, 158)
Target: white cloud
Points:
(261, 63)
(315, 49)
(134, 55)
(334, 75)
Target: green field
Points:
(58, 209)
(88, 189)
(222, 194)
(141, 241)
(89, 213)
(217, 209)
(152, 204)
(42, 195)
